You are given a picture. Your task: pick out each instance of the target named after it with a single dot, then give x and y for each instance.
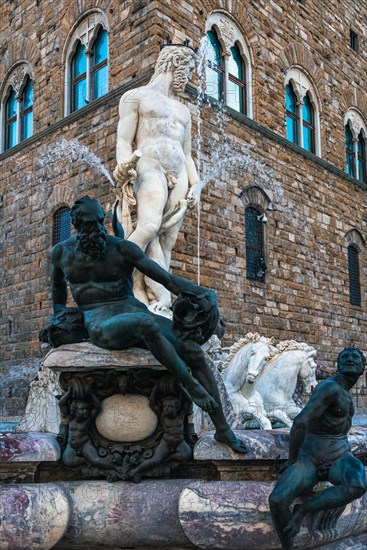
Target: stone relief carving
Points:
(87, 425)
(356, 123)
(227, 33)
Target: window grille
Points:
(61, 225)
(255, 262)
(354, 281)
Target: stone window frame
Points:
(16, 79)
(357, 125)
(229, 35)
(255, 197)
(354, 238)
(84, 31)
(302, 85)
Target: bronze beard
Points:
(92, 243)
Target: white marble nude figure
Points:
(154, 121)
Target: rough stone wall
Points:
(306, 294)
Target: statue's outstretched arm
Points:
(59, 289)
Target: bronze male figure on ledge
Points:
(319, 450)
(98, 268)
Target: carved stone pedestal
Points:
(113, 407)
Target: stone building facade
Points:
(314, 209)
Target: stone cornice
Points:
(114, 96)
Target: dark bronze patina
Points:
(319, 450)
(98, 268)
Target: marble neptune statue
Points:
(155, 169)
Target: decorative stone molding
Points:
(84, 31)
(16, 78)
(302, 85)
(354, 98)
(356, 123)
(230, 35)
(296, 54)
(354, 237)
(255, 196)
(61, 195)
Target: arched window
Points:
(79, 78)
(215, 67)
(302, 107)
(61, 225)
(11, 120)
(26, 111)
(86, 61)
(349, 150)
(228, 71)
(292, 116)
(362, 161)
(355, 144)
(354, 280)
(99, 65)
(255, 259)
(308, 123)
(236, 84)
(17, 108)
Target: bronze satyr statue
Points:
(98, 268)
(319, 450)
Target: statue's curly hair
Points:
(346, 350)
(77, 206)
(172, 58)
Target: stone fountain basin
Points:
(228, 511)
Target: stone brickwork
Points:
(305, 295)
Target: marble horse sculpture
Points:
(241, 369)
(98, 268)
(319, 451)
(288, 363)
(159, 178)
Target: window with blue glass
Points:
(354, 277)
(11, 120)
(79, 78)
(26, 111)
(362, 161)
(308, 124)
(61, 225)
(349, 151)
(292, 114)
(236, 84)
(18, 115)
(255, 258)
(214, 68)
(99, 66)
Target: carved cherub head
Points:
(171, 406)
